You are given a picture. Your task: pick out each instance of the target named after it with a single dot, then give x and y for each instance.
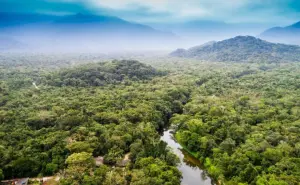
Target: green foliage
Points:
(100, 173)
(103, 73)
(79, 165)
(1, 175)
(156, 171)
(241, 120)
(52, 129)
(78, 147)
(24, 167)
(51, 168)
(244, 127)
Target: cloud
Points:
(42, 6)
(177, 9)
(280, 11)
(182, 10)
(125, 4)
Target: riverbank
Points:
(192, 172)
(194, 156)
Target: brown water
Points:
(189, 166)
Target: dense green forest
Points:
(241, 120)
(100, 74)
(52, 128)
(245, 128)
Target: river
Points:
(190, 167)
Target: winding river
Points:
(189, 166)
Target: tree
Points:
(79, 164)
(78, 147)
(100, 173)
(228, 145)
(273, 155)
(1, 175)
(51, 168)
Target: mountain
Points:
(201, 31)
(107, 25)
(81, 32)
(242, 49)
(16, 19)
(289, 34)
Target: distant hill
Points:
(8, 43)
(200, 31)
(289, 34)
(242, 49)
(81, 32)
(105, 24)
(17, 19)
(103, 73)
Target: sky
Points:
(276, 12)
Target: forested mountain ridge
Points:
(103, 73)
(242, 49)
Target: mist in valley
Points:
(84, 33)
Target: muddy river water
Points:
(189, 166)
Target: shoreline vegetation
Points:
(203, 167)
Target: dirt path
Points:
(126, 157)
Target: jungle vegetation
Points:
(241, 120)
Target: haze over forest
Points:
(104, 26)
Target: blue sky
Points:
(277, 12)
